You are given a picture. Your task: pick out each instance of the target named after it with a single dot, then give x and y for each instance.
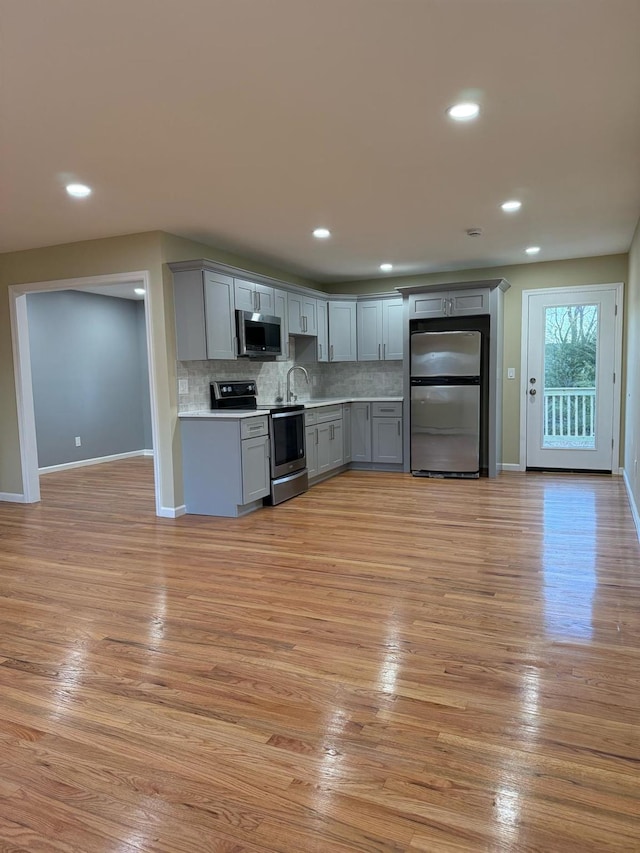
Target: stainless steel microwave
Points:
(259, 335)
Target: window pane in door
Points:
(569, 392)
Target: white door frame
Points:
(618, 287)
(22, 371)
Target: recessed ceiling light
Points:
(386, 267)
(532, 250)
(511, 206)
(78, 190)
(322, 233)
(464, 111)
(139, 290)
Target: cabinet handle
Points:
(316, 431)
(398, 427)
(304, 323)
(386, 410)
(378, 352)
(320, 348)
(384, 352)
(331, 352)
(367, 411)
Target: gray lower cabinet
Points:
(226, 464)
(376, 433)
(346, 430)
(311, 449)
(324, 436)
(361, 432)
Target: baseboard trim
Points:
(509, 466)
(13, 498)
(81, 463)
(172, 511)
(632, 503)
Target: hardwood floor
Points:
(382, 664)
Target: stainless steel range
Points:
(286, 432)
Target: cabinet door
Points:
(294, 302)
(469, 302)
(256, 478)
(369, 316)
(361, 432)
(311, 447)
(264, 299)
(346, 430)
(244, 294)
(281, 309)
(392, 330)
(428, 305)
(322, 307)
(323, 432)
(188, 298)
(387, 440)
(342, 331)
(336, 445)
(219, 316)
(309, 316)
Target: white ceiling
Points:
(247, 123)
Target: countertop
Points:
(308, 404)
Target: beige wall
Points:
(632, 317)
(600, 270)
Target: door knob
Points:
(532, 391)
(533, 380)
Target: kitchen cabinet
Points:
(252, 296)
(324, 439)
(226, 464)
(380, 329)
(386, 433)
(346, 432)
(342, 331)
(450, 303)
(322, 321)
(376, 433)
(302, 314)
(281, 309)
(205, 319)
(361, 432)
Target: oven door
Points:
(287, 443)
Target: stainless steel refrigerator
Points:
(445, 403)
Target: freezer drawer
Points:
(445, 353)
(445, 429)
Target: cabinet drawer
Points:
(251, 427)
(386, 410)
(310, 417)
(329, 413)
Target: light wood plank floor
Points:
(383, 664)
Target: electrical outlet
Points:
(314, 381)
(78, 442)
(511, 373)
(183, 386)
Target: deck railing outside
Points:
(569, 413)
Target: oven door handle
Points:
(295, 414)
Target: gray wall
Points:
(90, 378)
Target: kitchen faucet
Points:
(290, 394)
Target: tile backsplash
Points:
(342, 379)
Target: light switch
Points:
(511, 373)
(183, 386)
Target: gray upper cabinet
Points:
(342, 331)
(380, 329)
(281, 309)
(205, 319)
(302, 314)
(251, 296)
(322, 310)
(450, 303)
